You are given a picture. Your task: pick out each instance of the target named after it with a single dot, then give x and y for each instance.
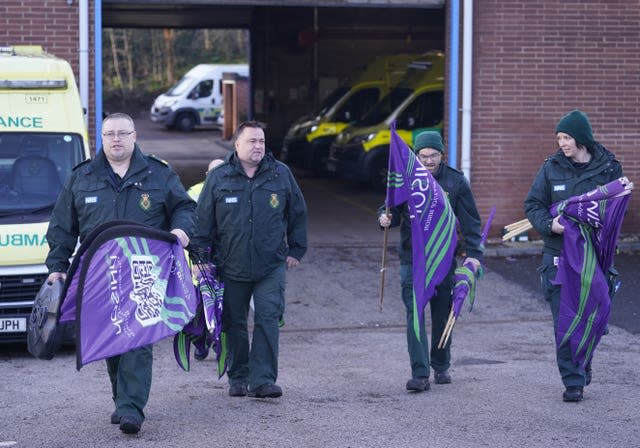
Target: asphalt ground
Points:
(343, 362)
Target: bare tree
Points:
(116, 63)
(169, 38)
(156, 56)
(129, 57)
(207, 40)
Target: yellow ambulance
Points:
(43, 135)
(307, 141)
(361, 151)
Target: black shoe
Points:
(238, 390)
(441, 377)
(115, 418)
(572, 394)
(420, 384)
(130, 424)
(199, 356)
(266, 391)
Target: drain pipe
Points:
(84, 58)
(97, 75)
(454, 44)
(467, 86)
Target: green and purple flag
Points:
(592, 223)
(433, 224)
(204, 331)
(129, 285)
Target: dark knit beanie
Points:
(428, 139)
(576, 124)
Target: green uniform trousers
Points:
(440, 305)
(257, 365)
(572, 374)
(130, 375)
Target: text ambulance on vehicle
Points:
(42, 137)
(307, 141)
(361, 151)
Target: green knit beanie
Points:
(428, 139)
(576, 124)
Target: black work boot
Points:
(441, 377)
(238, 390)
(572, 394)
(419, 384)
(266, 391)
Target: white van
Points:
(196, 99)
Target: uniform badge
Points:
(145, 202)
(274, 202)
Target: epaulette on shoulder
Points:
(158, 159)
(84, 162)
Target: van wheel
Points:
(378, 172)
(185, 122)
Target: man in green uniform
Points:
(430, 150)
(251, 221)
(121, 183)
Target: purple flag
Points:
(129, 286)
(205, 330)
(433, 224)
(464, 281)
(592, 223)
(464, 278)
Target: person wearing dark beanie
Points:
(429, 139)
(577, 125)
(579, 165)
(429, 150)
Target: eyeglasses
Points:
(120, 134)
(433, 156)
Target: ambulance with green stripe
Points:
(43, 135)
(361, 151)
(307, 142)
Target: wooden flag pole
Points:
(384, 260)
(517, 230)
(516, 224)
(447, 330)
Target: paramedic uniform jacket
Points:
(248, 226)
(150, 193)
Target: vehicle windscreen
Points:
(33, 169)
(385, 107)
(356, 106)
(330, 100)
(181, 87)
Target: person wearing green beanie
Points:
(429, 139)
(430, 151)
(579, 165)
(577, 125)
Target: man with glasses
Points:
(430, 151)
(251, 222)
(120, 183)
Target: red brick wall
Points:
(535, 61)
(53, 24)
